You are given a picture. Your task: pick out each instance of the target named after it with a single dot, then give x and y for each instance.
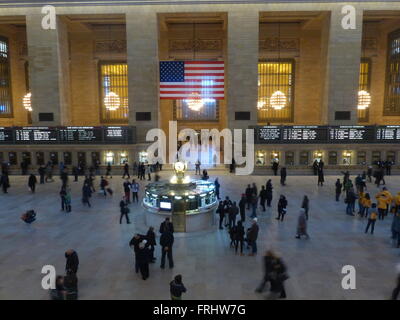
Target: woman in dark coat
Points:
(32, 182)
(151, 241)
(306, 205)
(277, 278)
(268, 189)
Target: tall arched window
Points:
(392, 90)
(5, 79)
(364, 83)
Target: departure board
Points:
(6, 135)
(351, 134)
(35, 135)
(68, 135)
(304, 134)
(269, 134)
(388, 134)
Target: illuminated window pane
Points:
(114, 79)
(209, 112)
(392, 90)
(5, 81)
(364, 84)
(275, 76)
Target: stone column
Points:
(48, 70)
(343, 54)
(242, 66)
(143, 79)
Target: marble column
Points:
(142, 48)
(343, 54)
(48, 70)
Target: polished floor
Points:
(210, 269)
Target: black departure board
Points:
(352, 134)
(388, 134)
(269, 134)
(304, 134)
(68, 135)
(6, 135)
(35, 135)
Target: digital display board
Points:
(38, 135)
(269, 133)
(388, 134)
(6, 135)
(304, 134)
(351, 134)
(68, 135)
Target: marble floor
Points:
(209, 267)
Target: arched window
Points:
(5, 79)
(364, 83)
(392, 90)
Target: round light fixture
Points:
(195, 102)
(260, 104)
(112, 101)
(26, 102)
(364, 100)
(278, 100)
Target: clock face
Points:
(179, 166)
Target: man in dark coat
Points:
(166, 242)
(252, 235)
(42, 172)
(5, 182)
(143, 259)
(263, 197)
(72, 261)
(134, 244)
(233, 212)
(242, 208)
(283, 176)
(32, 182)
(166, 226)
(249, 193)
(151, 241)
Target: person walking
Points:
(268, 260)
(63, 193)
(252, 235)
(306, 206)
(103, 186)
(124, 210)
(263, 197)
(166, 243)
(233, 212)
(134, 244)
(176, 288)
(338, 189)
(302, 225)
(321, 178)
(275, 166)
(42, 172)
(86, 194)
(372, 219)
(268, 189)
(32, 182)
(135, 191)
(366, 205)
(126, 171)
(151, 241)
(282, 204)
(197, 167)
(248, 193)
(127, 190)
(217, 187)
(72, 261)
(315, 167)
(221, 212)
(143, 259)
(108, 170)
(67, 200)
(382, 205)
(254, 204)
(242, 208)
(283, 176)
(5, 182)
(239, 237)
(350, 201)
(277, 278)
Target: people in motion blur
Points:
(302, 225)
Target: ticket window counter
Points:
(95, 158)
(67, 158)
(289, 158)
(54, 158)
(275, 157)
(347, 158)
(26, 158)
(12, 158)
(123, 157)
(304, 158)
(143, 157)
(260, 158)
(361, 158)
(40, 158)
(109, 158)
(82, 159)
(376, 157)
(391, 156)
(332, 158)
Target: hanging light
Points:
(195, 102)
(112, 101)
(26, 102)
(364, 100)
(278, 100)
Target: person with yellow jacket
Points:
(372, 219)
(389, 199)
(396, 201)
(361, 196)
(366, 205)
(382, 205)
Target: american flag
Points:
(184, 79)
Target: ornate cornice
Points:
(275, 44)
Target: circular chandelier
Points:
(364, 100)
(278, 100)
(26, 102)
(195, 102)
(112, 101)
